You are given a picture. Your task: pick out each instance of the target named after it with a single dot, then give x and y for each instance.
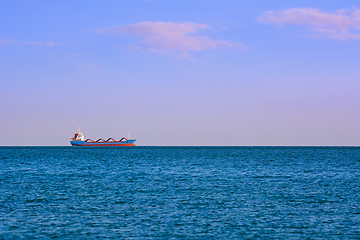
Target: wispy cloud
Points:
(5, 42)
(224, 74)
(88, 67)
(168, 37)
(49, 44)
(35, 43)
(342, 24)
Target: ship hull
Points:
(127, 143)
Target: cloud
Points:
(342, 24)
(88, 67)
(49, 44)
(5, 42)
(167, 36)
(34, 43)
(224, 74)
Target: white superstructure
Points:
(79, 136)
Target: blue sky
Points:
(230, 72)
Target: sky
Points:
(181, 73)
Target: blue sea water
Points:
(180, 192)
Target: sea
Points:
(180, 192)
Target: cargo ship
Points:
(79, 140)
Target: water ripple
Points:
(180, 192)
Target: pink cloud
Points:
(341, 24)
(50, 44)
(2, 41)
(5, 42)
(88, 67)
(168, 36)
(35, 43)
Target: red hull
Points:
(106, 145)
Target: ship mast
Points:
(80, 136)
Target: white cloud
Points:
(342, 24)
(167, 36)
